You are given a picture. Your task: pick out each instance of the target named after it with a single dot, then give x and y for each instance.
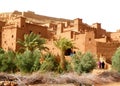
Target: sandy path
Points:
(111, 84)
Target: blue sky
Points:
(106, 12)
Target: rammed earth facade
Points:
(86, 38)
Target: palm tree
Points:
(31, 42)
(63, 44)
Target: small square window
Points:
(89, 39)
(30, 31)
(12, 36)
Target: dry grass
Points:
(100, 79)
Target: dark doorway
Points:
(68, 52)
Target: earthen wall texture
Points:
(79, 42)
(106, 49)
(86, 38)
(9, 38)
(100, 33)
(115, 36)
(90, 43)
(42, 31)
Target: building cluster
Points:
(86, 38)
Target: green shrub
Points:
(88, 62)
(28, 61)
(49, 63)
(83, 62)
(7, 62)
(68, 66)
(2, 51)
(76, 62)
(116, 60)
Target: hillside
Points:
(32, 17)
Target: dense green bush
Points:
(68, 67)
(50, 63)
(83, 62)
(7, 61)
(88, 62)
(76, 62)
(28, 61)
(116, 60)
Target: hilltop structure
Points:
(86, 37)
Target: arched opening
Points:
(68, 52)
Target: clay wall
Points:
(17, 28)
(106, 49)
(86, 38)
(87, 28)
(17, 12)
(2, 23)
(60, 28)
(67, 23)
(101, 39)
(115, 36)
(90, 43)
(96, 25)
(32, 28)
(99, 32)
(82, 27)
(79, 42)
(9, 38)
(5, 16)
(66, 34)
(52, 48)
(32, 15)
(78, 24)
(41, 30)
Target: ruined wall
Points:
(106, 49)
(99, 32)
(87, 28)
(41, 18)
(5, 16)
(2, 24)
(81, 27)
(115, 36)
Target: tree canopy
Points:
(32, 41)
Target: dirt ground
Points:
(110, 84)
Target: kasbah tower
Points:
(86, 38)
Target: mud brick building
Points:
(92, 38)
